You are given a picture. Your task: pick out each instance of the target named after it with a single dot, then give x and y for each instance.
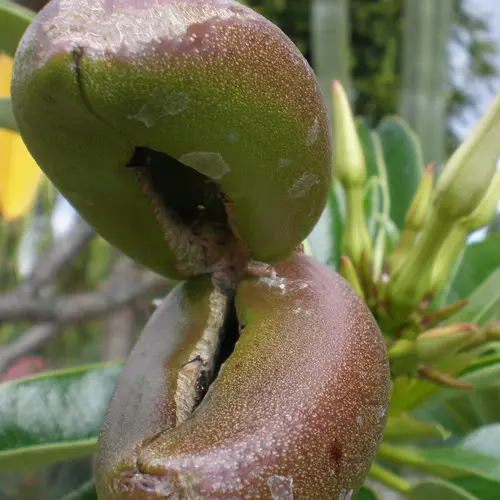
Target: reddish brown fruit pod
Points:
(297, 399)
(187, 132)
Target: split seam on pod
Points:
(298, 406)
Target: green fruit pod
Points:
(191, 134)
(279, 394)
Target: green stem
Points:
(356, 240)
(399, 455)
(390, 479)
(409, 285)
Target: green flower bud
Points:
(415, 219)
(469, 172)
(486, 209)
(350, 170)
(420, 207)
(457, 238)
(349, 160)
(439, 343)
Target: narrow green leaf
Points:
(7, 119)
(403, 162)
(14, 20)
(455, 460)
(483, 362)
(86, 491)
(479, 261)
(405, 427)
(437, 489)
(377, 197)
(54, 416)
(481, 378)
(448, 462)
(483, 303)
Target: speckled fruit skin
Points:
(209, 82)
(297, 411)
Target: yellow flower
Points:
(20, 176)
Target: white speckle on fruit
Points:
(233, 136)
(302, 185)
(171, 105)
(281, 487)
(345, 495)
(146, 115)
(359, 420)
(312, 133)
(175, 103)
(100, 30)
(210, 164)
(381, 411)
(283, 162)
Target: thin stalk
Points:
(390, 479)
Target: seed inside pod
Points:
(193, 213)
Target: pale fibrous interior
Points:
(193, 213)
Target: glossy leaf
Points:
(465, 412)
(482, 488)
(479, 261)
(14, 19)
(460, 411)
(54, 416)
(484, 440)
(404, 164)
(437, 489)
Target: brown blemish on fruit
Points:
(337, 457)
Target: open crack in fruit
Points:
(216, 113)
(193, 136)
(297, 410)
